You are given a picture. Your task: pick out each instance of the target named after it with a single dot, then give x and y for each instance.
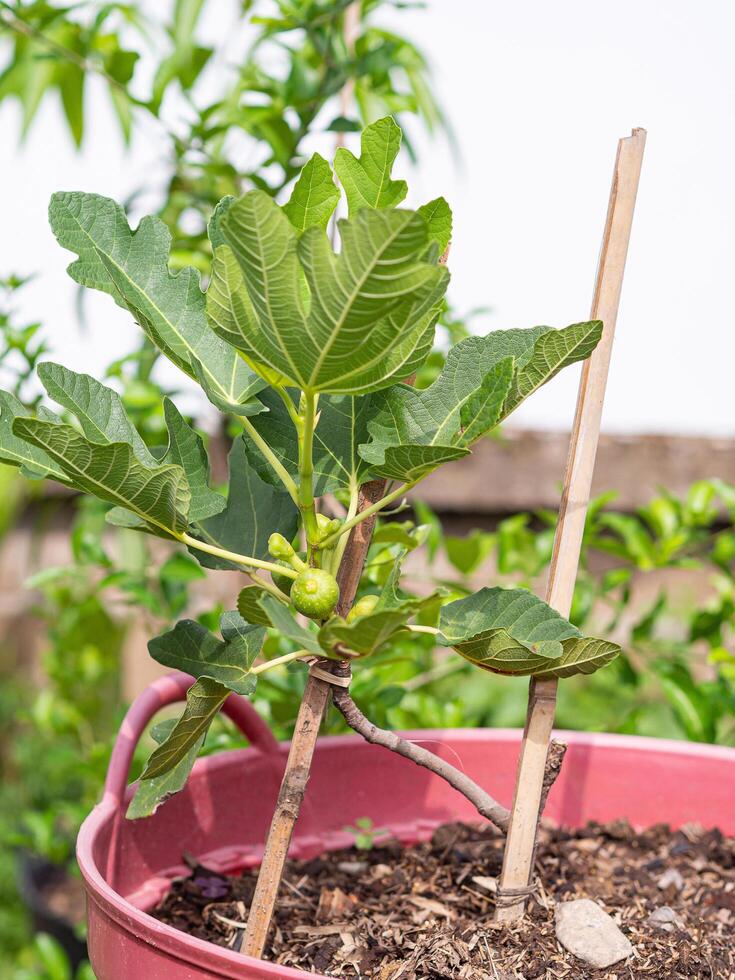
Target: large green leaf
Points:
(33, 461)
(99, 409)
(412, 462)
(416, 431)
(132, 266)
(369, 311)
(159, 495)
(186, 449)
(314, 196)
(367, 178)
(151, 793)
(203, 701)
(341, 428)
(190, 647)
(553, 351)
(512, 631)
(254, 511)
(484, 378)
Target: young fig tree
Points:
(310, 350)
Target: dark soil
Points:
(426, 912)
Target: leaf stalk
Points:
(232, 556)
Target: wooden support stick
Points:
(311, 712)
(521, 840)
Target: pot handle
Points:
(168, 690)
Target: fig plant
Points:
(310, 349)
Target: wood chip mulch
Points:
(426, 912)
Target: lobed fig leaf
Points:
(483, 380)
(367, 179)
(158, 495)
(512, 631)
(132, 266)
(190, 647)
(314, 196)
(203, 701)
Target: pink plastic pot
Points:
(223, 814)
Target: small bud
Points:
(327, 527)
(278, 547)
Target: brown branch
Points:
(554, 760)
(484, 803)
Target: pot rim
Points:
(172, 941)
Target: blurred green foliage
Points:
(676, 677)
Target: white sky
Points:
(537, 94)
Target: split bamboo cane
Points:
(520, 844)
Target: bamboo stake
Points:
(520, 844)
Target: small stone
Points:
(588, 932)
(671, 878)
(353, 867)
(665, 918)
(486, 882)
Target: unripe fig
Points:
(315, 593)
(363, 607)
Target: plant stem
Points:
(232, 556)
(369, 512)
(267, 586)
(306, 468)
(339, 550)
(484, 803)
(287, 658)
(423, 629)
(273, 461)
(288, 402)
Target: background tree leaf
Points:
(254, 510)
(314, 196)
(203, 700)
(367, 178)
(159, 495)
(192, 648)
